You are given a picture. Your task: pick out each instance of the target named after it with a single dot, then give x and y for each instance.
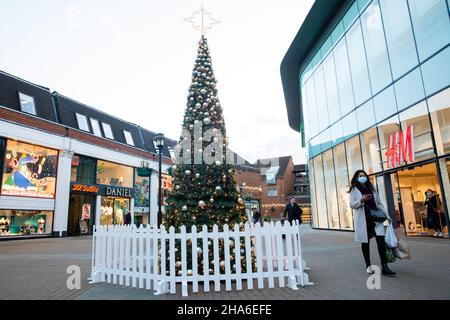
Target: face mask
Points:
(429, 194)
(362, 180)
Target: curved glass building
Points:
(367, 84)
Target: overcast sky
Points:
(134, 59)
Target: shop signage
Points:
(84, 188)
(400, 148)
(113, 191)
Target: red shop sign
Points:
(400, 148)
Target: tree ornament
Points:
(222, 264)
(207, 121)
(201, 204)
(203, 91)
(188, 172)
(218, 188)
(211, 200)
(197, 175)
(191, 126)
(177, 187)
(184, 208)
(197, 105)
(218, 163)
(174, 167)
(240, 200)
(178, 264)
(189, 272)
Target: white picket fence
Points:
(131, 256)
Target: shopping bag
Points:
(390, 255)
(390, 239)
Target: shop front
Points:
(28, 182)
(142, 196)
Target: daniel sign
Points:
(113, 191)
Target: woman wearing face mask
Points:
(363, 198)
(433, 204)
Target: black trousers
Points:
(436, 222)
(381, 250)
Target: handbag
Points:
(378, 215)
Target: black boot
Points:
(386, 271)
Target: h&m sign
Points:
(400, 148)
(113, 191)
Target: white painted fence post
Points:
(259, 255)
(205, 258)
(280, 252)
(215, 237)
(194, 259)
(248, 255)
(267, 232)
(226, 243)
(184, 288)
(292, 282)
(172, 259)
(237, 257)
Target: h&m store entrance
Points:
(419, 196)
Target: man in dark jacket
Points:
(127, 218)
(293, 211)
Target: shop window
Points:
(385, 104)
(332, 89)
(365, 116)
(142, 194)
(330, 188)
(417, 118)
(128, 137)
(114, 174)
(439, 106)
(27, 103)
(321, 99)
(342, 185)
(354, 161)
(320, 193)
(107, 130)
(82, 122)
(96, 127)
(409, 90)
(113, 210)
(370, 151)
(25, 223)
(350, 125)
(435, 72)
(315, 219)
(271, 175)
(83, 170)
(346, 99)
(29, 170)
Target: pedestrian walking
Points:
(256, 217)
(127, 219)
(368, 216)
(434, 204)
(293, 211)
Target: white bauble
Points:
(211, 200)
(240, 200)
(188, 172)
(207, 121)
(198, 105)
(205, 105)
(222, 264)
(218, 163)
(201, 203)
(208, 100)
(174, 167)
(191, 126)
(177, 187)
(189, 272)
(178, 264)
(199, 251)
(184, 208)
(218, 188)
(196, 122)
(197, 175)
(203, 91)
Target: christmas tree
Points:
(205, 191)
(204, 188)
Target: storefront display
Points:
(81, 214)
(114, 174)
(25, 223)
(113, 210)
(29, 170)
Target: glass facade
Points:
(114, 174)
(381, 85)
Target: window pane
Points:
(315, 146)
(358, 64)
(330, 184)
(342, 185)
(385, 130)
(337, 135)
(320, 193)
(354, 161)
(362, 4)
(399, 36)
(83, 170)
(409, 90)
(311, 106)
(321, 99)
(439, 106)
(380, 73)
(128, 137)
(385, 104)
(349, 125)
(436, 72)
(114, 174)
(96, 127)
(25, 222)
(325, 139)
(431, 25)
(417, 118)
(29, 170)
(27, 103)
(332, 89)
(107, 130)
(337, 32)
(315, 219)
(366, 116)
(344, 78)
(82, 122)
(370, 151)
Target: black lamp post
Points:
(159, 142)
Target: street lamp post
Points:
(159, 142)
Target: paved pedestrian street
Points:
(37, 269)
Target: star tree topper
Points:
(202, 20)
